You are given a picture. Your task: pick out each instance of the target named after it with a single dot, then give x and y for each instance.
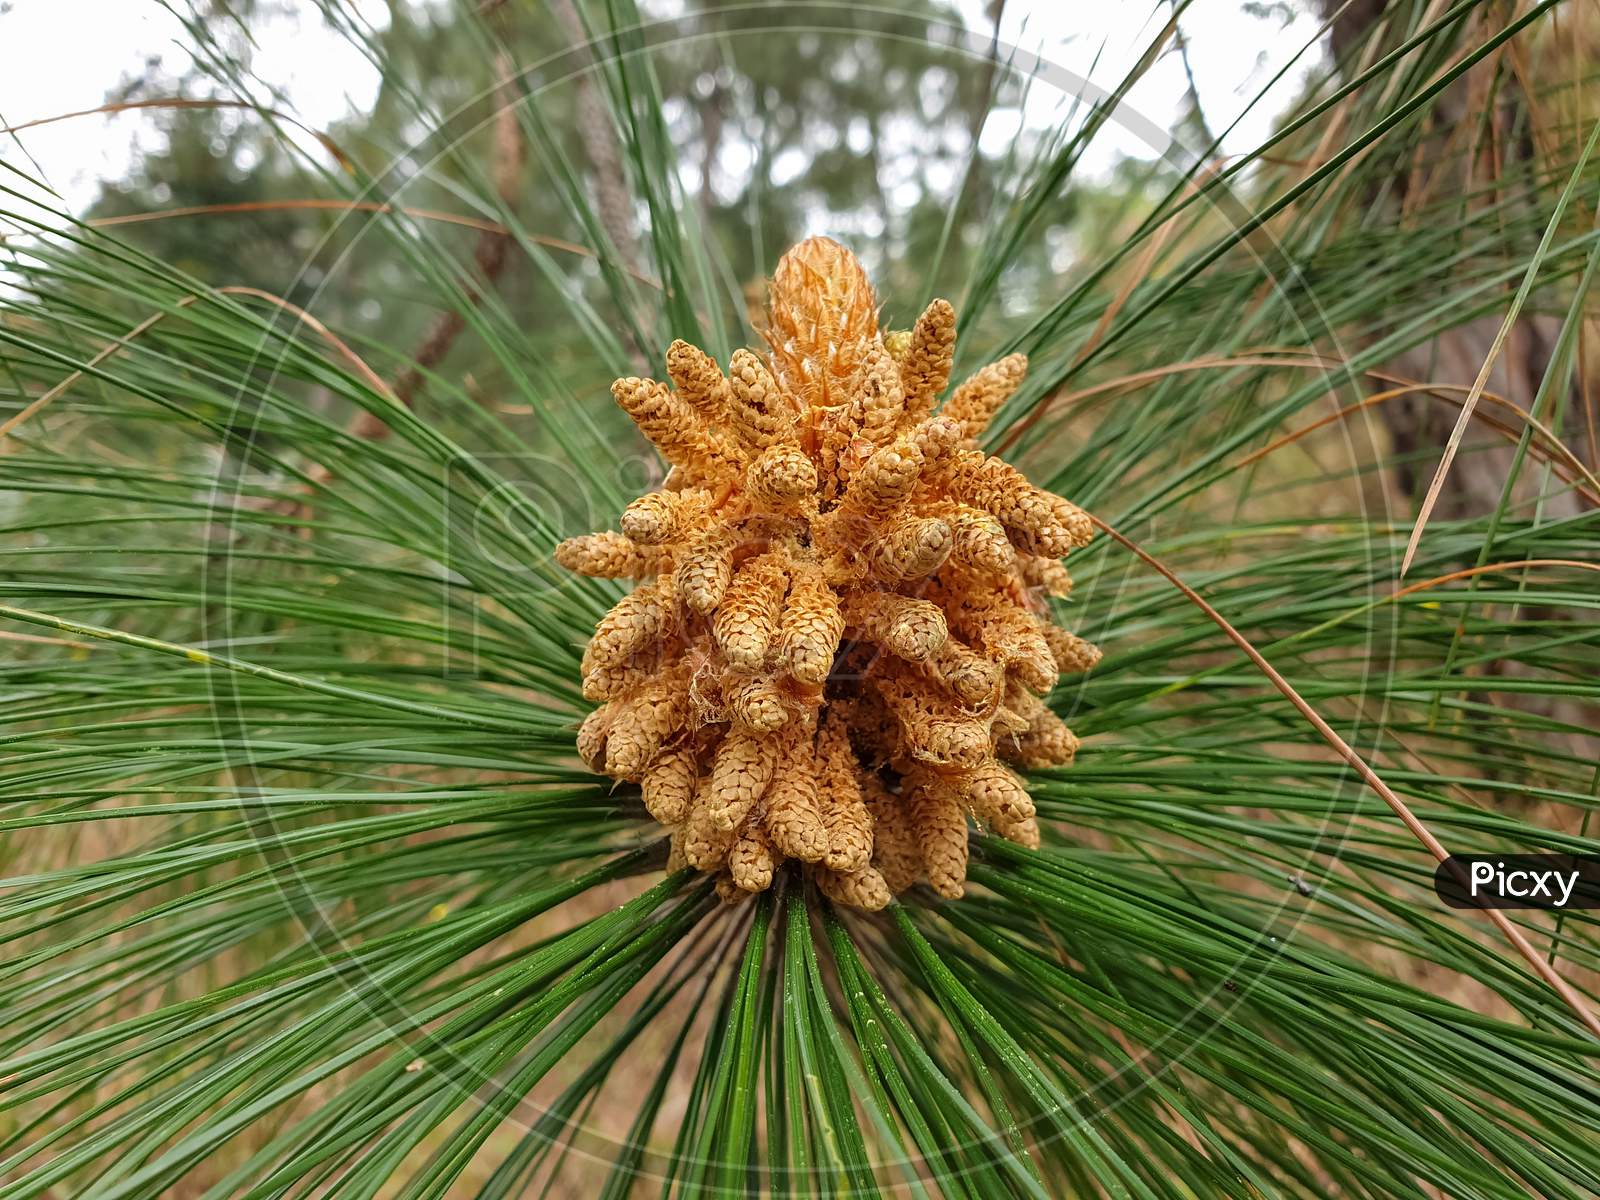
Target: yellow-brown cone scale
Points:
(840, 633)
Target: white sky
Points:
(58, 56)
(1232, 55)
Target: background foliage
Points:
(306, 891)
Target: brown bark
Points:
(612, 199)
(1418, 425)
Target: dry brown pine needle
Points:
(842, 623)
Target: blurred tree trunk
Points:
(612, 198)
(1419, 425)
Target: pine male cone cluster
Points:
(840, 629)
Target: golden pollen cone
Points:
(841, 628)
